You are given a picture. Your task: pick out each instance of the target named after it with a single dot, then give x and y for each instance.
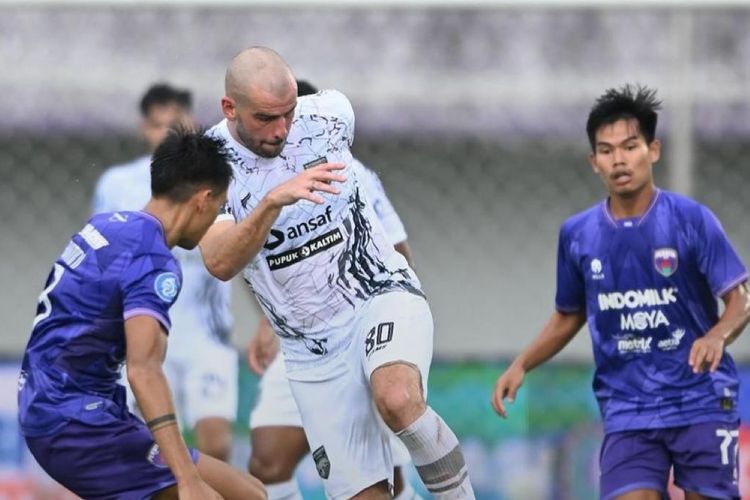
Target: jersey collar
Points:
(629, 221)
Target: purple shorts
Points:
(704, 457)
(116, 461)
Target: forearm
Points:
(735, 317)
(227, 253)
(155, 402)
(555, 335)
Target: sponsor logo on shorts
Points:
(322, 463)
(154, 456)
(166, 286)
(312, 247)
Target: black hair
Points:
(627, 102)
(305, 88)
(161, 94)
(187, 160)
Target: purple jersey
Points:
(649, 287)
(118, 266)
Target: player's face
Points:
(206, 205)
(623, 159)
(159, 119)
(262, 120)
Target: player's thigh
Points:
(397, 327)
(232, 484)
(349, 445)
(117, 460)
(211, 384)
(275, 406)
(635, 463)
(706, 459)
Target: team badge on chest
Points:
(665, 261)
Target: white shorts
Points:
(204, 385)
(276, 407)
(347, 436)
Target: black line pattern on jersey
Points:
(359, 269)
(283, 329)
(212, 298)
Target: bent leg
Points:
(275, 453)
(213, 436)
(397, 357)
(232, 484)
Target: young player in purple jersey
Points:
(106, 301)
(644, 269)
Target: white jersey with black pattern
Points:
(375, 192)
(321, 263)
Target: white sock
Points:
(288, 490)
(408, 493)
(437, 456)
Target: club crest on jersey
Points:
(166, 286)
(665, 261)
(317, 161)
(322, 463)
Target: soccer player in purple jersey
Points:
(106, 301)
(644, 269)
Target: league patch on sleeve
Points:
(166, 286)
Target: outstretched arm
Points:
(555, 335)
(228, 247)
(146, 347)
(707, 351)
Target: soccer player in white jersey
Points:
(278, 441)
(355, 328)
(201, 365)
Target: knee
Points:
(398, 405)
(270, 468)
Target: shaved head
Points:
(261, 95)
(258, 69)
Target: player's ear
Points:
(203, 199)
(229, 108)
(592, 162)
(654, 150)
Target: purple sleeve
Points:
(718, 261)
(571, 292)
(150, 286)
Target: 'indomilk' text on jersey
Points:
(321, 263)
(649, 287)
(118, 266)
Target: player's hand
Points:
(506, 387)
(706, 353)
(307, 185)
(263, 347)
(196, 488)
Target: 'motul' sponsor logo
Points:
(312, 247)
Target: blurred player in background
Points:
(201, 364)
(278, 442)
(355, 328)
(644, 268)
(106, 301)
